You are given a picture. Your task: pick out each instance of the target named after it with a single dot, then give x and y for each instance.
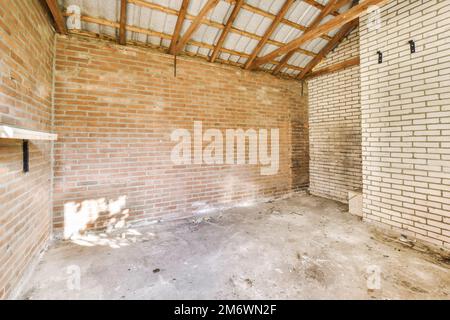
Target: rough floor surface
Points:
(303, 247)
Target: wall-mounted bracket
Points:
(8, 132)
(175, 65)
(412, 46)
(380, 57)
(26, 156)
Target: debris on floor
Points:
(265, 251)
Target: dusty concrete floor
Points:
(304, 247)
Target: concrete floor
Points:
(304, 247)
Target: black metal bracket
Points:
(26, 156)
(380, 57)
(175, 66)
(412, 46)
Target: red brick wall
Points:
(26, 60)
(115, 109)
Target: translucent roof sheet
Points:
(156, 20)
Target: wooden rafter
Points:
(320, 6)
(194, 25)
(180, 20)
(220, 26)
(57, 16)
(166, 36)
(245, 6)
(330, 7)
(123, 22)
(335, 67)
(343, 32)
(287, 4)
(310, 33)
(244, 33)
(336, 22)
(226, 30)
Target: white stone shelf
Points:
(7, 132)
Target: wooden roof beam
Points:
(245, 6)
(180, 20)
(287, 4)
(226, 30)
(330, 7)
(112, 24)
(194, 25)
(343, 32)
(335, 67)
(336, 22)
(57, 16)
(123, 22)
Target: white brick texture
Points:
(335, 126)
(406, 119)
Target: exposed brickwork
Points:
(115, 109)
(406, 119)
(335, 126)
(26, 51)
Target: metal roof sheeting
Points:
(203, 40)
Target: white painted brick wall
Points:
(335, 126)
(406, 119)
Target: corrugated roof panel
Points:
(191, 48)
(271, 6)
(161, 22)
(167, 3)
(224, 56)
(165, 43)
(302, 13)
(268, 48)
(234, 58)
(221, 12)
(299, 60)
(290, 71)
(242, 60)
(284, 33)
(246, 45)
(251, 22)
(205, 34)
(204, 52)
(315, 45)
(322, 2)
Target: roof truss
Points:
(226, 30)
(337, 22)
(287, 4)
(330, 7)
(343, 32)
(179, 40)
